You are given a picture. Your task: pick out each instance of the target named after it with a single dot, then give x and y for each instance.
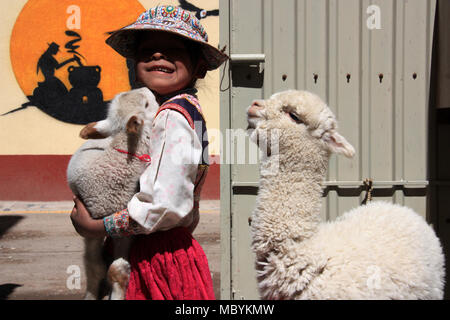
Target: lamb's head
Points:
(304, 126)
(127, 111)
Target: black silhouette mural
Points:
(199, 13)
(83, 103)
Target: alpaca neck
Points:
(288, 204)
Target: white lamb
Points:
(377, 251)
(105, 174)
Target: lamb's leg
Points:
(119, 270)
(95, 268)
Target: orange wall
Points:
(35, 146)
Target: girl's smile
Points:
(158, 68)
(164, 64)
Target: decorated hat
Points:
(168, 19)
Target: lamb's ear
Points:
(338, 144)
(134, 125)
(90, 132)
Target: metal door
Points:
(370, 60)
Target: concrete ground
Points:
(41, 254)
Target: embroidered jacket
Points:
(170, 186)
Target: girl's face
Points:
(164, 64)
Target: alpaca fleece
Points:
(377, 251)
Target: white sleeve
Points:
(167, 185)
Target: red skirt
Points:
(169, 265)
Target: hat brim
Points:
(124, 42)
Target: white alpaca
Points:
(106, 178)
(377, 251)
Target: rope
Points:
(143, 158)
(368, 184)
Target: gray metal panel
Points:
(246, 37)
(326, 47)
(225, 169)
(415, 116)
(345, 60)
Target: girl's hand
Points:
(84, 224)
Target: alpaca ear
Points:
(338, 144)
(90, 132)
(134, 125)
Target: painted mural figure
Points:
(51, 91)
(83, 103)
(48, 64)
(199, 12)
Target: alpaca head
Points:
(305, 128)
(127, 111)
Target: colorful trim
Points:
(190, 108)
(178, 108)
(173, 103)
(190, 98)
(120, 224)
(171, 18)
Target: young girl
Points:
(170, 50)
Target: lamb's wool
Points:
(377, 251)
(103, 177)
(106, 179)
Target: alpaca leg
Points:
(95, 268)
(119, 270)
